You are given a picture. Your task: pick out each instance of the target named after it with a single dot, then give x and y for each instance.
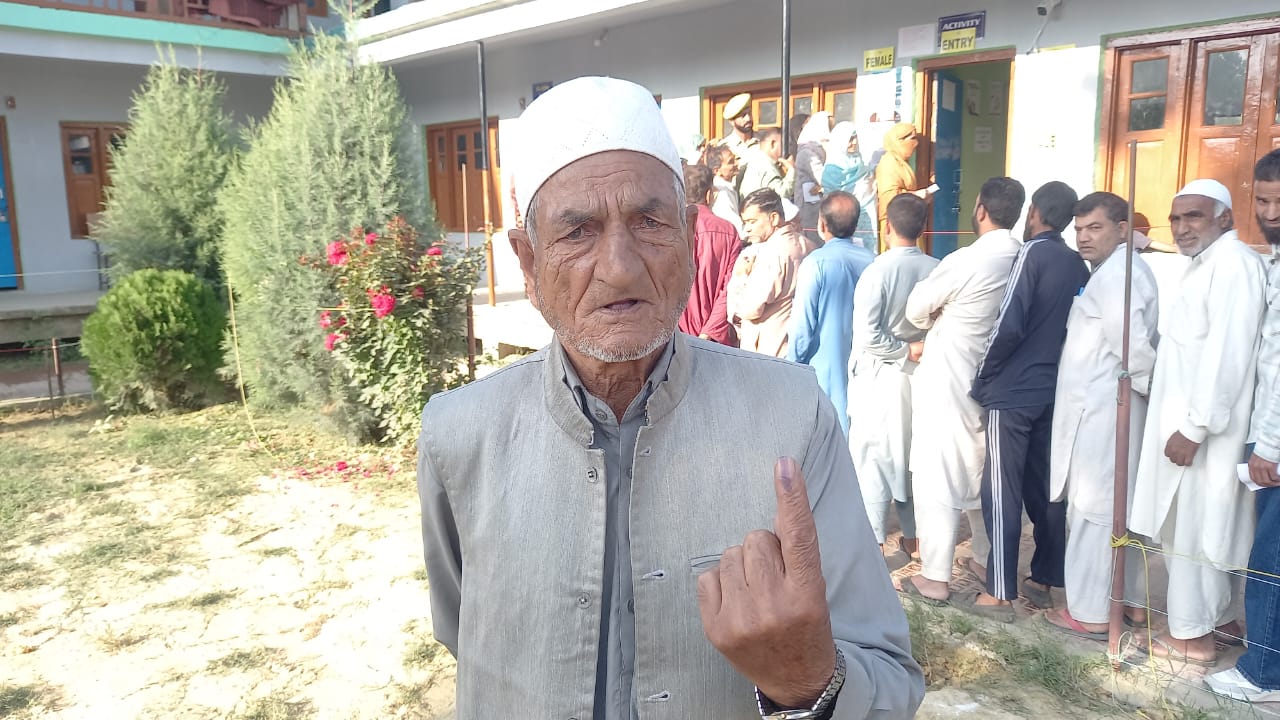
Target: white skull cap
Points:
(1211, 189)
(582, 117)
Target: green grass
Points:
(244, 660)
(277, 707)
(422, 652)
(199, 601)
(16, 698)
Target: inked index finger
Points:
(794, 525)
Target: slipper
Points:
(969, 603)
(1042, 599)
(969, 565)
(1227, 640)
(1073, 627)
(902, 548)
(1169, 652)
(910, 590)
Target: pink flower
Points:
(434, 251)
(418, 293)
(340, 466)
(331, 340)
(325, 320)
(370, 238)
(382, 304)
(337, 252)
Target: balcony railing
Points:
(280, 17)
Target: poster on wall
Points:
(982, 140)
(996, 101)
(973, 96)
(538, 89)
(883, 100)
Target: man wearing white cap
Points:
(1186, 496)
(738, 112)
(597, 517)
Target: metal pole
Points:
(786, 77)
(484, 167)
(1120, 499)
(466, 244)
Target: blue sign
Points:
(977, 20)
(539, 88)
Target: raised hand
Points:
(765, 607)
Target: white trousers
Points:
(1089, 571)
(937, 525)
(878, 514)
(1200, 595)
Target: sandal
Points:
(1042, 599)
(1072, 627)
(1227, 639)
(969, 603)
(910, 590)
(1169, 652)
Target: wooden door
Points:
(1149, 108)
(86, 152)
(832, 92)
(454, 155)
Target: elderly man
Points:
(763, 289)
(822, 323)
(1015, 385)
(958, 304)
(1256, 676)
(1083, 459)
(885, 350)
(716, 247)
(763, 166)
(583, 563)
(724, 165)
(1186, 496)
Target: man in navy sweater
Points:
(1015, 384)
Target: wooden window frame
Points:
(819, 81)
(320, 8)
(6, 172)
(496, 200)
(101, 164)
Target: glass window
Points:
(1150, 76)
(1146, 113)
(842, 109)
(479, 160)
(802, 106)
(462, 143)
(475, 143)
(768, 114)
(440, 144)
(1224, 87)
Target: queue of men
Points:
(984, 386)
(702, 520)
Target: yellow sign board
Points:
(877, 60)
(962, 40)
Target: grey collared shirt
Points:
(615, 665)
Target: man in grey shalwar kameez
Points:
(885, 350)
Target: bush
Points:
(153, 342)
(399, 327)
(162, 206)
(336, 152)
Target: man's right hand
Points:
(1263, 471)
(915, 351)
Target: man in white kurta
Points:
(1083, 457)
(958, 304)
(885, 350)
(1187, 497)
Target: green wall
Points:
(977, 167)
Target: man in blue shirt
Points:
(822, 314)
(1016, 383)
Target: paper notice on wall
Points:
(916, 40)
(995, 98)
(973, 96)
(948, 95)
(885, 97)
(982, 142)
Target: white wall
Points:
(48, 92)
(1054, 98)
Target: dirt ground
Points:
(212, 565)
(176, 568)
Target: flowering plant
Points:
(399, 327)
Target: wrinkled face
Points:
(611, 264)
(1266, 204)
(744, 124)
(759, 225)
(1193, 224)
(1097, 236)
(728, 167)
